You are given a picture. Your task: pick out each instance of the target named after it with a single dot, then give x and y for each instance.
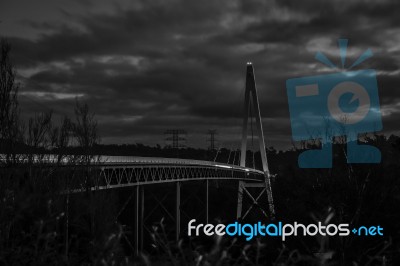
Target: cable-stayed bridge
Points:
(114, 172)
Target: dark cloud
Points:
(145, 67)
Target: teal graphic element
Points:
(345, 103)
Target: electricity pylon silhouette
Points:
(251, 91)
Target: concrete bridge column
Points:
(139, 214)
(178, 210)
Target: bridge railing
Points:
(106, 172)
(122, 160)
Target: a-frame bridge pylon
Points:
(251, 91)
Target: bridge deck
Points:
(135, 160)
(122, 171)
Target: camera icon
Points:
(339, 104)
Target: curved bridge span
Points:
(123, 171)
(253, 194)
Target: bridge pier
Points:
(139, 214)
(207, 201)
(178, 211)
(141, 217)
(137, 221)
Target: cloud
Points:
(145, 67)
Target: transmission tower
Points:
(175, 138)
(212, 139)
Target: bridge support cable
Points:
(234, 157)
(251, 101)
(216, 155)
(229, 156)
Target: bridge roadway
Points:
(123, 171)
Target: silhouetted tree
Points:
(61, 138)
(85, 131)
(39, 135)
(10, 126)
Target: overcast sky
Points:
(148, 66)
